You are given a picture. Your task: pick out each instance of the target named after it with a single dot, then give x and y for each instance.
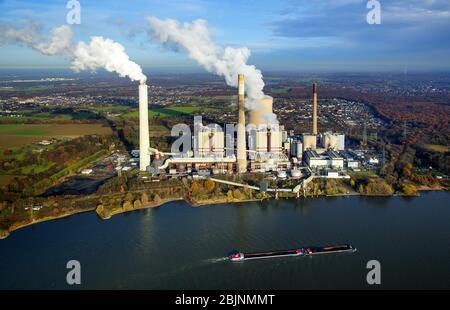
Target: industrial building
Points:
(259, 147)
(333, 141)
(208, 142)
(329, 159)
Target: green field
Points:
(17, 135)
(280, 90)
(166, 112)
(26, 88)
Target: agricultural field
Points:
(166, 112)
(280, 90)
(17, 135)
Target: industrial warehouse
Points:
(261, 146)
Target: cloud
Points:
(410, 24)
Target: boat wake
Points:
(217, 260)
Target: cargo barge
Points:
(306, 251)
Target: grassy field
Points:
(166, 112)
(16, 135)
(281, 90)
(26, 88)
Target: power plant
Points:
(261, 146)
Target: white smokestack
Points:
(144, 137)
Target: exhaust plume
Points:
(107, 54)
(60, 41)
(195, 39)
(99, 53)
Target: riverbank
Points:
(109, 213)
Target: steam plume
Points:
(107, 54)
(195, 39)
(60, 41)
(99, 53)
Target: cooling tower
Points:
(265, 108)
(144, 136)
(314, 131)
(241, 145)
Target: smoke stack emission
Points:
(195, 38)
(314, 131)
(99, 53)
(144, 136)
(109, 55)
(241, 144)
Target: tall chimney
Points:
(144, 136)
(241, 145)
(314, 131)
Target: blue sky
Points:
(303, 35)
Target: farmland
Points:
(17, 135)
(166, 112)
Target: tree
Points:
(100, 209)
(137, 204)
(238, 194)
(157, 199)
(230, 196)
(407, 170)
(127, 206)
(129, 197)
(144, 198)
(210, 185)
(379, 187)
(195, 188)
(409, 189)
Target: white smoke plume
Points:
(107, 54)
(99, 53)
(28, 35)
(60, 42)
(61, 38)
(195, 39)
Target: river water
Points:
(180, 247)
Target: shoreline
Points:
(4, 234)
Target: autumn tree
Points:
(210, 185)
(144, 198)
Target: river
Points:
(179, 247)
